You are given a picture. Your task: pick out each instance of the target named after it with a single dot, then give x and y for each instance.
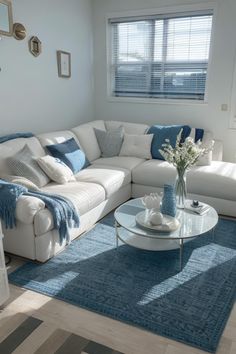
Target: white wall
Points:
(32, 96)
(208, 116)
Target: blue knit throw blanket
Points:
(65, 215)
(13, 136)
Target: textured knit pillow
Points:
(56, 169)
(137, 146)
(24, 164)
(70, 153)
(110, 142)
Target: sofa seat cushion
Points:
(109, 177)
(120, 161)
(85, 196)
(153, 173)
(217, 180)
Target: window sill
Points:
(157, 101)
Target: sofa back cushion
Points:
(56, 137)
(87, 138)
(129, 128)
(10, 147)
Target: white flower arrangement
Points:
(184, 155)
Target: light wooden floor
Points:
(114, 334)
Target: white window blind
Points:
(161, 56)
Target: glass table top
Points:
(191, 224)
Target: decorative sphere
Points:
(156, 219)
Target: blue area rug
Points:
(145, 288)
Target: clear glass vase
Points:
(180, 188)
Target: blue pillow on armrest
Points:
(161, 133)
(70, 153)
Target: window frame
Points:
(166, 10)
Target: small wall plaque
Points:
(35, 46)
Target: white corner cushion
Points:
(137, 146)
(129, 128)
(27, 207)
(217, 180)
(111, 178)
(125, 162)
(55, 169)
(87, 138)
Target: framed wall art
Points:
(35, 46)
(6, 21)
(64, 64)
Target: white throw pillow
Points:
(137, 146)
(207, 142)
(55, 169)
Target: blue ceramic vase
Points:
(168, 206)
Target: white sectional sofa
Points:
(104, 185)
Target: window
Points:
(161, 56)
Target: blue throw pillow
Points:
(70, 153)
(161, 133)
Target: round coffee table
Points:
(130, 233)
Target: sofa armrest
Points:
(217, 153)
(43, 222)
(27, 207)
